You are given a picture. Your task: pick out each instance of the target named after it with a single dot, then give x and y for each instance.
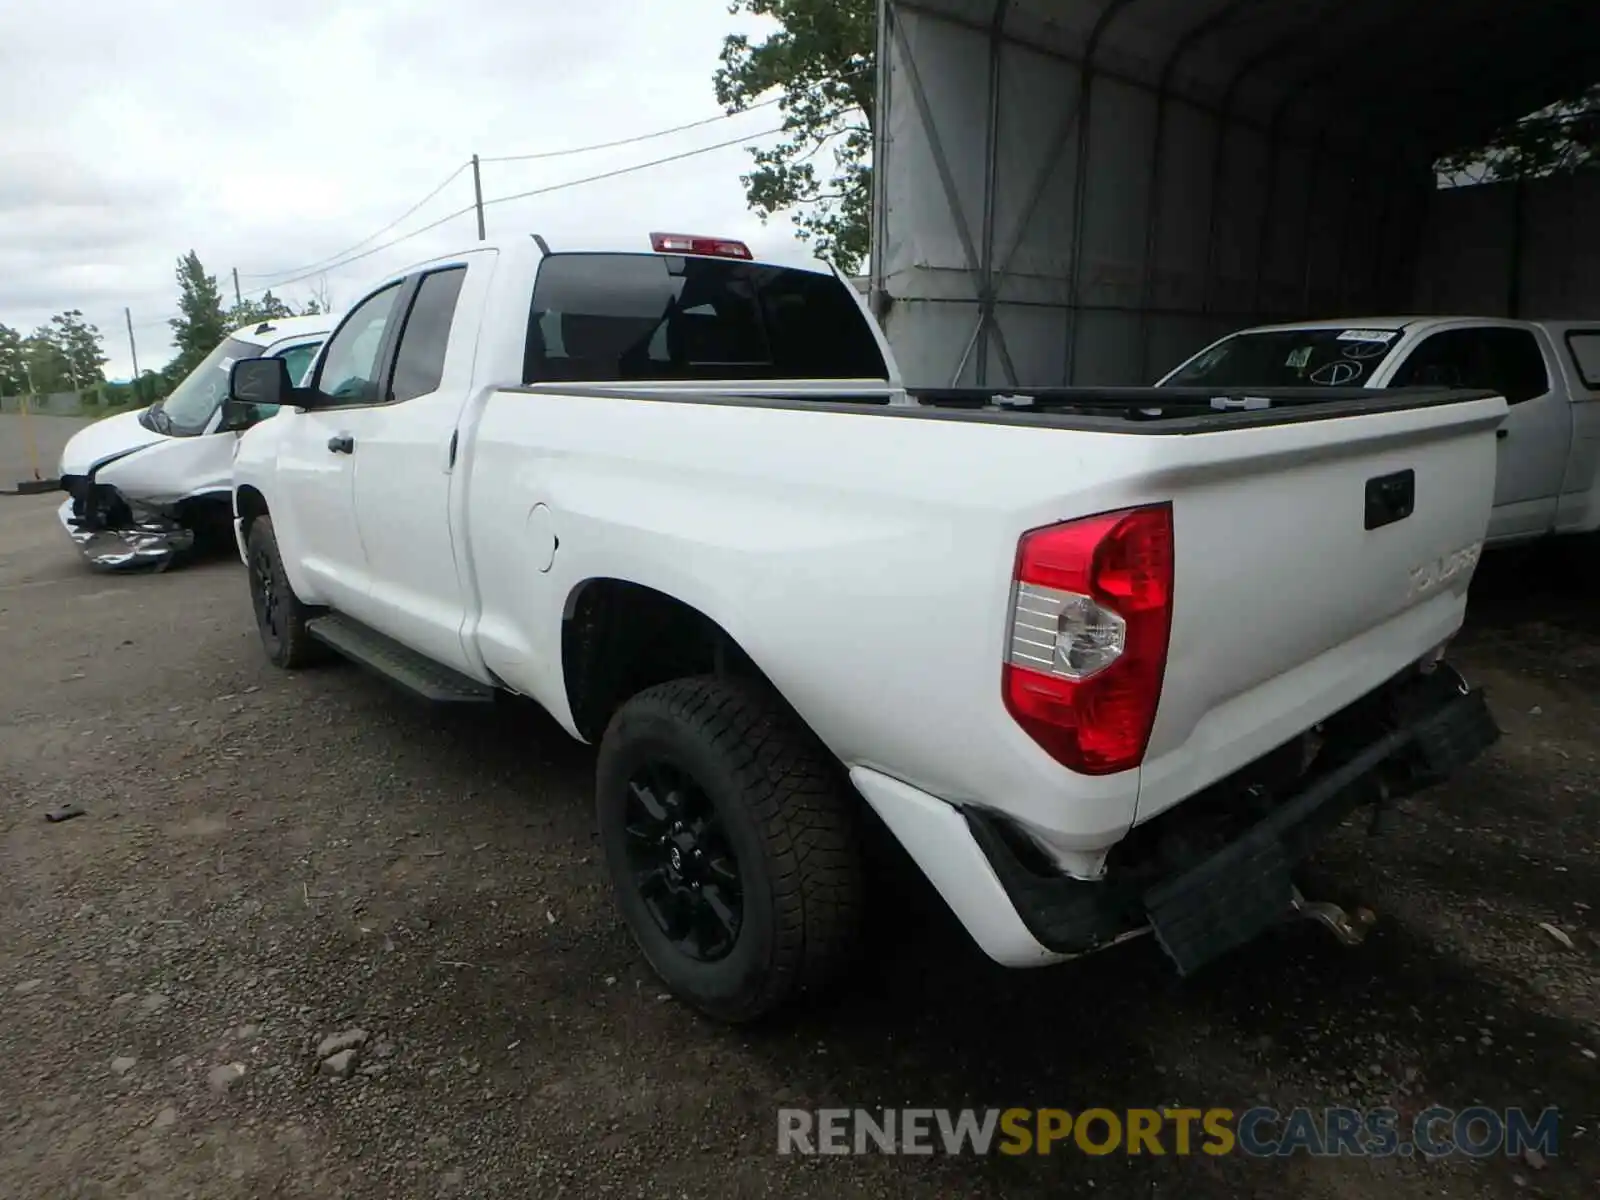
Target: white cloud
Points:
(269, 136)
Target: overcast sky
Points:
(267, 137)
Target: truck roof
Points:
(265, 333)
(794, 258)
(1411, 322)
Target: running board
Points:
(400, 665)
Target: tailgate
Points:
(1313, 561)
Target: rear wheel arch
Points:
(619, 638)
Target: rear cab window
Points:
(653, 317)
(1584, 346)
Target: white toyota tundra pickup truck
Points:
(1103, 662)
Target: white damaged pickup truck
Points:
(144, 487)
(1103, 662)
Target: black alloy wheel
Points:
(682, 863)
(733, 845)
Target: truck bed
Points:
(891, 543)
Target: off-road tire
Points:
(280, 617)
(790, 818)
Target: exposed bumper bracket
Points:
(1350, 928)
(1237, 892)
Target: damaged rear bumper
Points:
(1419, 732)
(121, 534)
(1209, 874)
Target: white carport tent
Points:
(1083, 191)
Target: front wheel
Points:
(732, 846)
(280, 617)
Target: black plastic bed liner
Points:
(1147, 410)
(1192, 405)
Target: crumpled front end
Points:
(116, 534)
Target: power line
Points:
(554, 187)
(629, 141)
(546, 154)
(311, 267)
(334, 266)
(345, 257)
(461, 212)
(659, 133)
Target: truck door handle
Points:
(342, 443)
(1501, 433)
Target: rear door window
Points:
(1499, 359)
(419, 364)
(1584, 346)
(634, 317)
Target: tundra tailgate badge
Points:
(1438, 573)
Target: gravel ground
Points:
(270, 859)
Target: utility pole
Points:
(27, 426)
(477, 195)
(237, 299)
(132, 349)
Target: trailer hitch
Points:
(1350, 928)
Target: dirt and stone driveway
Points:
(270, 860)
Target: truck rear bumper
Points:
(1199, 903)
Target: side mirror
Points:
(254, 383)
(259, 381)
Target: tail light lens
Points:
(1087, 646)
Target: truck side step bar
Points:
(405, 668)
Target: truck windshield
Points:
(1331, 357)
(630, 317)
(187, 410)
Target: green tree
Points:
(201, 323)
(266, 307)
(46, 363)
(81, 345)
(13, 379)
(1557, 139)
(821, 62)
(313, 307)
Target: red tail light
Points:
(1088, 639)
(684, 243)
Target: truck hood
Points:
(106, 439)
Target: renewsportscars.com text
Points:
(1256, 1132)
